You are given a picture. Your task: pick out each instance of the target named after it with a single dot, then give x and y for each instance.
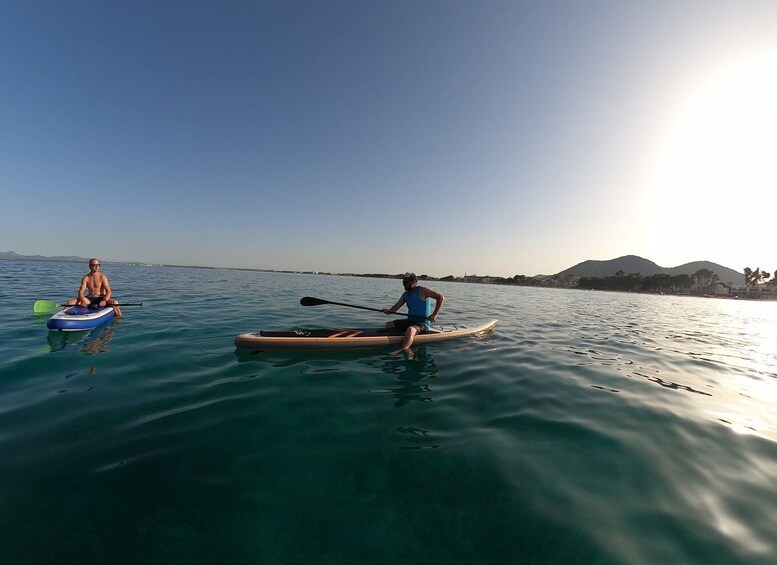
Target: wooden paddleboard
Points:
(352, 338)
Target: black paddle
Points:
(310, 301)
(108, 305)
(47, 305)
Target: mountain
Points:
(726, 275)
(627, 264)
(14, 255)
(633, 264)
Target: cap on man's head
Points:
(410, 277)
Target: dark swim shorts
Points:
(404, 324)
(95, 299)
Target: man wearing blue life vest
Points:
(420, 314)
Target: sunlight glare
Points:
(719, 152)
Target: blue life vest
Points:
(419, 309)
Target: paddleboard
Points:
(352, 338)
(78, 318)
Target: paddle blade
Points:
(310, 301)
(42, 306)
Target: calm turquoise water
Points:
(588, 428)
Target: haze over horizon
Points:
(617, 264)
(441, 137)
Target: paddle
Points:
(310, 301)
(41, 306)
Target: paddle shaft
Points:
(98, 306)
(43, 306)
(308, 301)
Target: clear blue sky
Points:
(444, 137)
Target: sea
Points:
(588, 427)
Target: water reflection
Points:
(291, 358)
(62, 340)
(412, 374)
(411, 379)
(93, 342)
(420, 439)
(98, 343)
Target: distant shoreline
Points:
(539, 281)
(496, 281)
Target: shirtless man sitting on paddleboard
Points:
(420, 314)
(95, 289)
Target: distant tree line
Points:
(702, 281)
(520, 280)
(754, 278)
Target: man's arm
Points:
(81, 299)
(438, 300)
(107, 289)
(396, 306)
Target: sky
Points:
(441, 137)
